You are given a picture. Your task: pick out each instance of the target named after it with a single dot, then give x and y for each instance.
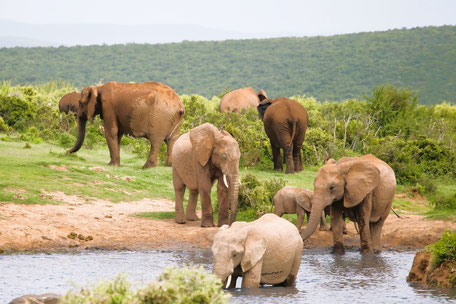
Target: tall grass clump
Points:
(444, 249)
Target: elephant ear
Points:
(91, 100)
(202, 139)
(303, 199)
(254, 249)
(361, 178)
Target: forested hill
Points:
(329, 68)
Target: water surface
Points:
(322, 278)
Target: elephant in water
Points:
(265, 251)
(149, 109)
(361, 188)
(285, 122)
(201, 156)
(241, 99)
(291, 200)
(70, 102)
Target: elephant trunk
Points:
(233, 196)
(81, 134)
(314, 220)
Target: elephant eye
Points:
(331, 188)
(235, 255)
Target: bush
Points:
(174, 285)
(182, 286)
(3, 125)
(257, 195)
(444, 249)
(443, 202)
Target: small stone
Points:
(89, 238)
(108, 216)
(46, 238)
(81, 237)
(2, 251)
(72, 235)
(73, 246)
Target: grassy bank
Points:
(29, 171)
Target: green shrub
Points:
(3, 125)
(444, 249)
(425, 185)
(116, 291)
(444, 201)
(257, 195)
(67, 140)
(182, 286)
(17, 112)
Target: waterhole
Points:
(323, 278)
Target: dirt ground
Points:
(77, 225)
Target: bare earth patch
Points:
(77, 224)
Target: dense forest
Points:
(328, 68)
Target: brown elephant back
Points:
(69, 102)
(239, 99)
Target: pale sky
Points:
(255, 16)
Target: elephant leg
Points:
(288, 151)
(179, 191)
(111, 133)
(207, 219)
(252, 278)
(323, 226)
(276, 158)
(376, 234)
(170, 144)
(364, 212)
(300, 219)
(291, 279)
(297, 161)
(223, 208)
(191, 206)
(337, 228)
(153, 154)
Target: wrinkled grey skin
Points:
(265, 251)
(291, 200)
(361, 188)
(200, 157)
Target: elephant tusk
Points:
(224, 180)
(228, 282)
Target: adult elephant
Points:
(150, 109)
(265, 251)
(241, 99)
(201, 156)
(285, 122)
(70, 102)
(361, 188)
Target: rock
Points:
(46, 238)
(46, 298)
(108, 216)
(81, 237)
(72, 235)
(89, 238)
(423, 272)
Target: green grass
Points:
(159, 215)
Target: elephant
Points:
(201, 156)
(241, 99)
(361, 188)
(149, 109)
(291, 200)
(265, 251)
(285, 122)
(70, 102)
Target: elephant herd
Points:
(268, 250)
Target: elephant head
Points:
(262, 95)
(236, 250)
(221, 151)
(86, 110)
(304, 199)
(263, 106)
(350, 181)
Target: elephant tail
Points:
(293, 130)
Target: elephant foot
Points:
(366, 250)
(222, 222)
(114, 163)
(180, 219)
(207, 222)
(338, 249)
(324, 228)
(192, 217)
(149, 165)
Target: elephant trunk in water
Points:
(314, 219)
(81, 134)
(233, 196)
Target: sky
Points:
(317, 17)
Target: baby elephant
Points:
(290, 200)
(265, 251)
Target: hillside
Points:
(329, 68)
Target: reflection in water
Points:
(322, 278)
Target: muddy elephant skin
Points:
(241, 99)
(285, 122)
(150, 109)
